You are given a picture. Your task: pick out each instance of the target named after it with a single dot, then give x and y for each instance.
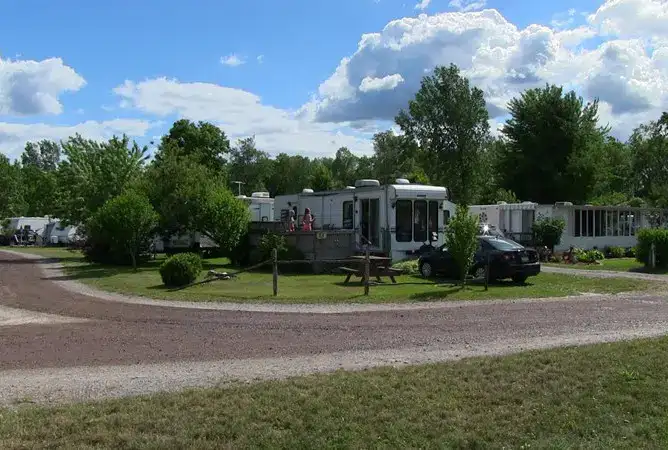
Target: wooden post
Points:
(274, 261)
(487, 273)
(652, 256)
(367, 272)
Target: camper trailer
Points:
(28, 230)
(395, 219)
(260, 205)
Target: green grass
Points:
(257, 286)
(604, 396)
(612, 264)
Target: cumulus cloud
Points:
(240, 114)
(13, 136)
(232, 60)
(627, 69)
(34, 87)
(467, 5)
(424, 4)
(370, 84)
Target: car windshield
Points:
(504, 244)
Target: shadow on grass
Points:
(647, 270)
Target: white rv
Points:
(260, 205)
(395, 219)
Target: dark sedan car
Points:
(507, 259)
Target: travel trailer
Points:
(395, 219)
(587, 226)
(260, 205)
(29, 230)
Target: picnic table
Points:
(378, 267)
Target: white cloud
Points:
(260, 59)
(467, 5)
(387, 83)
(13, 136)
(232, 60)
(240, 114)
(33, 87)
(627, 71)
(424, 4)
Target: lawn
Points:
(612, 264)
(253, 287)
(603, 396)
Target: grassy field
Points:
(613, 264)
(250, 287)
(604, 396)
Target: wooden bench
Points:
(378, 272)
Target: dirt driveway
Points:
(126, 348)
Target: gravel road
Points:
(127, 348)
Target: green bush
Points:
(547, 231)
(270, 241)
(590, 256)
(631, 252)
(408, 267)
(181, 269)
(659, 237)
(615, 252)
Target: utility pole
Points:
(239, 183)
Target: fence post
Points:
(367, 262)
(274, 263)
(487, 273)
(652, 256)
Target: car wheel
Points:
(520, 278)
(426, 270)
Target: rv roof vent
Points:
(366, 183)
(527, 203)
(402, 181)
(307, 191)
(260, 194)
(350, 187)
(501, 203)
(563, 204)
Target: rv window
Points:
(446, 217)
(433, 217)
(347, 215)
(420, 221)
(404, 213)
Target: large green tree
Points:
(249, 165)
(394, 156)
(94, 172)
(553, 146)
(12, 202)
(39, 163)
(203, 141)
(649, 147)
(448, 119)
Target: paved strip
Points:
(14, 317)
(605, 273)
(85, 383)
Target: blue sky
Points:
(300, 43)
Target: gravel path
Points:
(605, 273)
(126, 348)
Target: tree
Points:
(95, 172)
(649, 147)
(45, 155)
(223, 218)
(289, 174)
(177, 187)
(344, 167)
(553, 147)
(394, 156)
(204, 142)
(449, 121)
(11, 196)
(461, 239)
(250, 166)
(123, 226)
(321, 177)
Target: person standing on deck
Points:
(307, 221)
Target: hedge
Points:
(659, 237)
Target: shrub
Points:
(409, 267)
(181, 269)
(556, 258)
(590, 256)
(461, 238)
(547, 231)
(270, 241)
(120, 231)
(615, 252)
(658, 237)
(631, 252)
